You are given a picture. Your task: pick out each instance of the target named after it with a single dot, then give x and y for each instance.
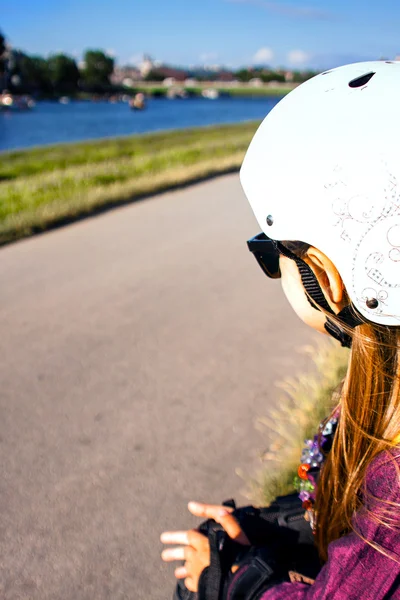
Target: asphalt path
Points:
(138, 349)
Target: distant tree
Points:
(40, 74)
(28, 74)
(268, 76)
(17, 79)
(3, 49)
(301, 76)
(154, 75)
(297, 77)
(244, 75)
(201, 77)
(308, 74)
(63, 74)
(97, 70)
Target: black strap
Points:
(213, 589)
(257, 572)
(351, 317)
(255, 576)
(316, 298)
(309, 280)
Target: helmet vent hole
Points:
(361, 81)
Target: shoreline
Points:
(51, 186)
(4, 154)
(244, 91)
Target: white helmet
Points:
(324, 169)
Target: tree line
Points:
(267, 75)
(57, 75)
(60, 74)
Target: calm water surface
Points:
(51, 122)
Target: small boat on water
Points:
(210, 94)
(64, 100)
(138, 102)
(177, 94)
(8, 102)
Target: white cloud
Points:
(298, 57)
(263, 55)
(111, 52)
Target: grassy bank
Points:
(262, 91)
(304, 401)
(42, 187)
(245, 91)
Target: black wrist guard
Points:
(257, 571)
(262, 564)
(281, 540)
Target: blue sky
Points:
(297, 33)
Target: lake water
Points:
(51, 122)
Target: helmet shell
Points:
(324, 168)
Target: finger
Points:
(197, 540)
(173, 554)
(181, 573)
(223, 516)
(207, 510)
(174, 537)
(190, 584)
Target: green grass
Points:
(270, 91)
(45, 186)
(305, 400)
(239, 91)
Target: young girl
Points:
(322, 175)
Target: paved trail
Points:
(137, 350)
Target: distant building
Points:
(226, 76)
(125, 76)
(169, 81)
(179, 75)
(146, 66)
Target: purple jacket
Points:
(354, 569)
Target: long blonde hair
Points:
(369, 424)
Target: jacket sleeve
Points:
(354, 568)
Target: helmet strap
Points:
(351, 318)
(316, 298)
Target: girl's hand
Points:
(194, 548)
